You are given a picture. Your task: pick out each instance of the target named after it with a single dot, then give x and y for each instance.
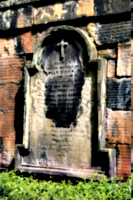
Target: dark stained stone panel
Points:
(111, 6)
(119, 94)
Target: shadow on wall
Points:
(19, 111)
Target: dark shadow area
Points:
(92, 70)
(19, 111)
(103, 161)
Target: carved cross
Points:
(62, 44)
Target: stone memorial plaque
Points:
(61, 109)
(61, 113)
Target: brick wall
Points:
(23, 24)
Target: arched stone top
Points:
(89, 45)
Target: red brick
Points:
(132, 150)
(124, 161)
(11, 69)
(119, 127)
(8, 151)
(7, 96)
(132, 123)
(26, 41)
(7, 123)
(7, 47)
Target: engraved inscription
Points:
(63, 87)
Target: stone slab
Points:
(119, 93)
(124, 59)
(107, 53)
(105, 7)
(100, 8)
(104, 33)
(118, 127)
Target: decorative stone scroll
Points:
(61, 118)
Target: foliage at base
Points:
(16, 187)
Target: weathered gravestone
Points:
(61, 105)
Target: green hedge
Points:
(16, 187)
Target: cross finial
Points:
(62, 44)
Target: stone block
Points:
(107, 53)
(119, 93)
(17, 18)
(63, 11)
(111, 68)
(118, 127)
(124, 59)
(8, 151)
(105, 7)
(8, 3)
(110, 32)
(124, 161)
(11, 69)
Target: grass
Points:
(16, 187)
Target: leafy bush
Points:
(15, 187)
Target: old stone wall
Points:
(108, 23)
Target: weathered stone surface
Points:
(119, 127)
(119, 94)
(27, 16)
(62, 11)
(111, 6)
(111, 68)
(100, 8)
(124, 59)
(107, 53)
(19, 18)
(124, 161)
(8, 151)
(111, 32)
(65, 141)
(132, 61)
(60, 96)
(8, 3)
(11, 69)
